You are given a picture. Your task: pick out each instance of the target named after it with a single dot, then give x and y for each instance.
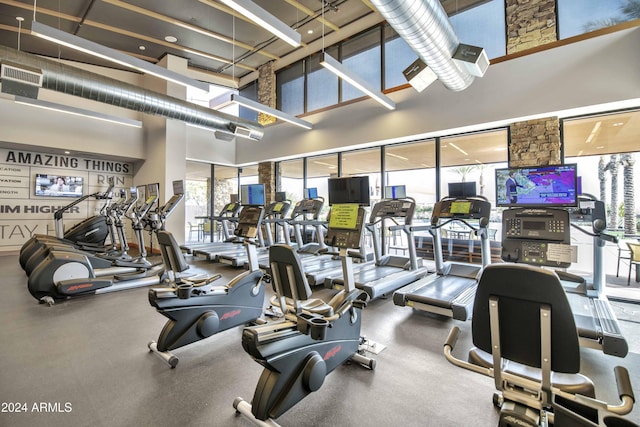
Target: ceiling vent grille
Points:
(20, 74)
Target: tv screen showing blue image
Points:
(252, 195)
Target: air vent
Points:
(21, 74)
(473, 59)
(244, 132)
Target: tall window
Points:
(196, 197)
(582, 16)
(292, 179)
(474, 157)
(322, 84)
(608, 144)
(319, 170)
(397, 57)
(413, 165)
(362, 55)
(364, 162)
(290, 89)
(482, 26)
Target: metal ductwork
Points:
(74, 81)
(425, 26)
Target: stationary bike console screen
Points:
(537, 237)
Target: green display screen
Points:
(344, 216)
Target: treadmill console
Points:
(345, 226)
(536, 236)
(311, 207)
(393, 208)
(249, 222)
(462, 208)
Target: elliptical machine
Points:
(298, 352)
(65, 274)
(89, 234)
(198, 309)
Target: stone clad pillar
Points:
(530, 23)
(535, 143)
(266, 91)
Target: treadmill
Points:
(227, 216)
(275, 213)
(305, 213)
(388, 272)
(451, 291)
(328, 262)
(542, 237)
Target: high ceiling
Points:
(209, 34)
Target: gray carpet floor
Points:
(87, 361)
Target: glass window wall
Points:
(577, 17)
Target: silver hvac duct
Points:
(425, 26)
(74, 81)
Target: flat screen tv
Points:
(252, 195)
(311, 193)
(58, 185)
(395, 192)
(353, 189)
(462, 189)
(281, 196)
(538, 186)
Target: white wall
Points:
(593, 72)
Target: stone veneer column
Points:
(266, 91)
(267, 176)
(530, 23)
(535, 143)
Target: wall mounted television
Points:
(462, 189)
(50, 185)
(395, 192)
(252, 195)
(353, 189)
(537, 186)
(311, 193)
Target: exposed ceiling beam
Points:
(194, 28)
(302, 8)
(125, 33)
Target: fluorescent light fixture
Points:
(77, 111)
(265, 20)
(95, 49)
(397, 156)
(256, 106)
(341, 71)
(458, 148)
(594, 132)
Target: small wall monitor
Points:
(349, 190)
(395, 192)
(462, 189)
(538, 186)
(311, 193)
(58, 185)
(252, 195)
(281, 196)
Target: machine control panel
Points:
(461, 208)
(537, 237)
(249, 222)
(393, 208)
(345, 226)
